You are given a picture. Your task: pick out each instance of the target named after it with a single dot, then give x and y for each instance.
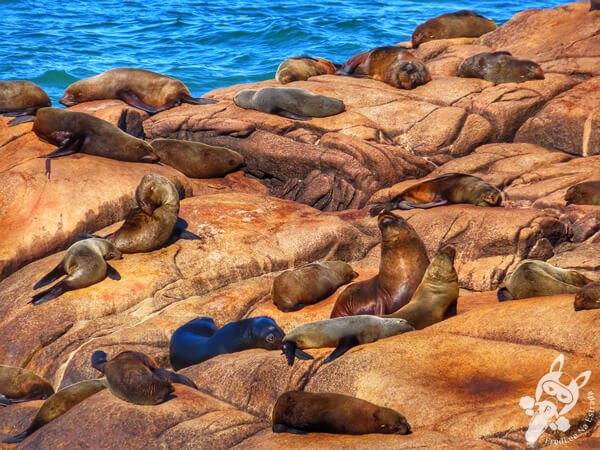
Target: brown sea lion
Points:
(403, 264)
(586, 193)
(195, 159)
(594, 5)
(500, 67)
(452, 25)
(311, 283)
(300, 68)
(447, 189)
(436, 296)
(148, 91)
(293, 103)
(21, 99)
(84, 264)
(300, 412)
(588, 297)
(395, 66)
(58, 404)
(21, 385)
(540, 279)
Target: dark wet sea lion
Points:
(403, 264)
(84, 264)
(19, 385)
(594, 5)
(500, 67)
(293, 103)
(58, 404)
(588, 297)
(452, 25)
(301, 412)
(21, 99)
(343, 333)
(446, 189)
(392, 65)
(586, 193)
(311, 283)
(199, 339)
(300, 68)
(195, 159)
(149, 91)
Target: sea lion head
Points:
(82, 91)
(296, 69)
(388, 421)
(491, 196)
(588, 297)
(426, 32)
(407, 74)
(527, 70)
(154, 191)
(344, 270)
(442, 265)
(482, 193)
(267, 333)
(394, 228)
(577, 194)
(245, 98)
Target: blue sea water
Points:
(206, 44)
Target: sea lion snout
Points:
(68, 99)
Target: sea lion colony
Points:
(409, 293)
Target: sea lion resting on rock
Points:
(21, 99)
(293, 103)
(594, 5)
(311, 283)
(300, 68)
(403, 264)
(539, 279)
(343, 333)
(586, 193)
(395, 66)
(300, 412)
(588, 297)
(148, 91)
(21, 385)
(84, 264)
(452, 25)
(446, 189)
(500, 67)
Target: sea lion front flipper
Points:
(51, 276)
(289, 115)
(405, 205)
(380, 207)
(289, 350)
(302, 355)
(133, 100)
(21, 119)
(4, 401)
(504, 295)
(173, 377)
(197, 101)
(451, 311)
(112, 273)
(280, 428)
(180, 231)
(344, 344)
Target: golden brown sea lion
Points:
(588, 297)
(446, 189)
(403, 264)
(395, 66)
(84, 264)
(300, 412)
(301, 68)
(500, 67)
(311, 283)
(21, 99)
(452, 25)
(586, 193)
(148, 91)
(21, 385)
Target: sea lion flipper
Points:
(376, 209)
(133, 100)
(344, 344)
(289, 349)
(197, 101)
(504, 295)
(4, 401)
(174, 377)
(289, 115)
(451, 311)
(55, 291)
(51, 276)
(303, 355)
(21, 119)
(17, 437)
(112, 273)
(280, 428)
(410, 205)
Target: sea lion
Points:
(84, 264)
(21, 99)
(311, 283)
(19, 385)
(437, 294)
(58, 404)
(500, 67)
(594, 5)
(293, 103)
(538, 279)
(300, 68)
(403, 264)
(148, 91)
(195, 159)
(199, 339)
(343, 333)
(300, 412)
(588, 297)
(452, 25)
(586, 193)
(446, 189)
(395, 66)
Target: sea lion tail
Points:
(18, 437)
(45, 296)
(99, 360)
(504, 295)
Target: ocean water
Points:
(205, 44)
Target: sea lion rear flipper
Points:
(55, 291)
(504, 295)
(174, 377)
(197, 101)
(280, 428)
(21, 119)
(181, 232)
(17, 437)
(51, 276)
(112, 273)
(289, 115)
(4, 401)
(344, 344)
(133, 100)
(410, 205)
(82, 236)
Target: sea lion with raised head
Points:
(19, 385)
(301, 412)
(311, 283)
(586, 193)
(300, 68)
(84, 264)
(148, 91)
(500, 67)
(21, 99)
(293, 103)
(588, 297)
(447, 189)
(452, 25)
(403, 264)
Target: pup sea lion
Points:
(343, 333)
(148, 91)
(199, 339)
(195, 159)
(311, 283)
(452, 25)
(586, 193)
(403, 264)
(395, 66)
(588, 297)
(293, 103)
(538, 279)
(446, 189)
(301, 68)
(21, 385)
(594, 5)
(58, 404)
(84, 264)
(21, 99)
(500, 67)
(300, 412)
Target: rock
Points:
(582, 257)
(443, 56)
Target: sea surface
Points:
(205, 44)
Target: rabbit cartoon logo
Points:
(554, 398)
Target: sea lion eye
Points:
(382, 426)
